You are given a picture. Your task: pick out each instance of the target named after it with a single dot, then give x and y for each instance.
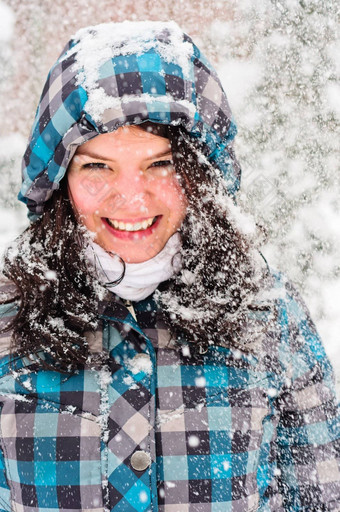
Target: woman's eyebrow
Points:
(101, 157)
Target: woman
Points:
(153, 362)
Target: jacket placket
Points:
(128, 406)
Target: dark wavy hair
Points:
(209, 299)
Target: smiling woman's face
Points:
(124, 189)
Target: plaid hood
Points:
(115, 74)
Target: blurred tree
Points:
(288, 140)
(10, 144)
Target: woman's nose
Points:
(129, 189)
(131, 181)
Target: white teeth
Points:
(138, 226)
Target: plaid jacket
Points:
(175, 429)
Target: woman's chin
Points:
(138, 252)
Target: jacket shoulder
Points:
(293, 308)
(280, 289)
(300, 340)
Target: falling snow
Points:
(279, 65)
(278, 62)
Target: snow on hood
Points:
(115, 74)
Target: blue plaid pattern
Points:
(225, 430)
(152, 83)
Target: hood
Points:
(115, 74)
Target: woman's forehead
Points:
(129, 139)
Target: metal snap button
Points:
(140, 460)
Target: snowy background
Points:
(278, 63)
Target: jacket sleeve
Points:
(7, 312)
(4, 489)
(308, 433)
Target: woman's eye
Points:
(95, 165)
(162, 167)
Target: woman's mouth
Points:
(128, 226)
(132, 230)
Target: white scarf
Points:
(140, 279)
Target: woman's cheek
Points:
(83, 194)
(170, 193)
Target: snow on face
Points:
(98, 45)
(124, 189)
